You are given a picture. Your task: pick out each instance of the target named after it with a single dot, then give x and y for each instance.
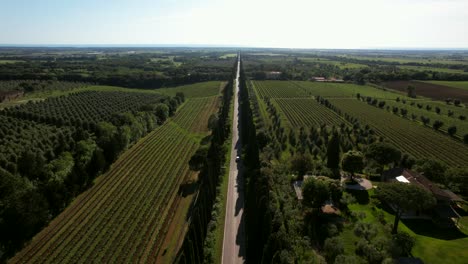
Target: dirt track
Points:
(434, 91)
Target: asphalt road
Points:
(234, 224)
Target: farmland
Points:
(294, 99)
(194, 90)
(316, 115)
(454, 84)
(125, 215)
(406, 135)
(302, 119)
(434, 111)
(85, 106)
(430, 90)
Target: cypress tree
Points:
(333, 152)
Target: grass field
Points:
(340, 64)
(407, 59)
(423, 68)
(344, 90)
(433, 244)
(9, 61)
(124, 217)
(202, 89)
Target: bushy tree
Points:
(162, 112)
(452, 130)
(353, 161)
(314, 193)
(403, 243)
(405, 197)
(432, 169)
(457, 178)
(212, 122)
(333, 247)
(437, 124)
(301, 164)
(383, 154)
(347, 259)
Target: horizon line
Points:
(187, 45)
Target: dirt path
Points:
(234, 225)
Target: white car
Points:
(237, 158)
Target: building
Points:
(319, 79)
(273, 75)
(446, 200)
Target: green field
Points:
(203, 89)
(344, 90)
(407, 59)
(9, 61)
(307, 113)
(424, 68)
(405, 134)
(461, 125)
(433, 244)
(341, 64)
(294, 99)
(124, 217)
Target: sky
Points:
(255, 23)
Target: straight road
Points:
(234, 224)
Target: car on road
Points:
(237, 158)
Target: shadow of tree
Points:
(430, 229)
(362, 196)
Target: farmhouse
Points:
(446, 199)
(319, 79)
(273, 75)
(323, 79)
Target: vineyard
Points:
(195, 112)
(418, 109)
(125, 215)
(343, 90)
(421, 142)
(295, 101)
(204, 89)
(307, 112)
(278, 89)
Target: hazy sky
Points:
(261, 23)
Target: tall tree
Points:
(162, 112)
(405, 197)
(411, 91)
(333, 152)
